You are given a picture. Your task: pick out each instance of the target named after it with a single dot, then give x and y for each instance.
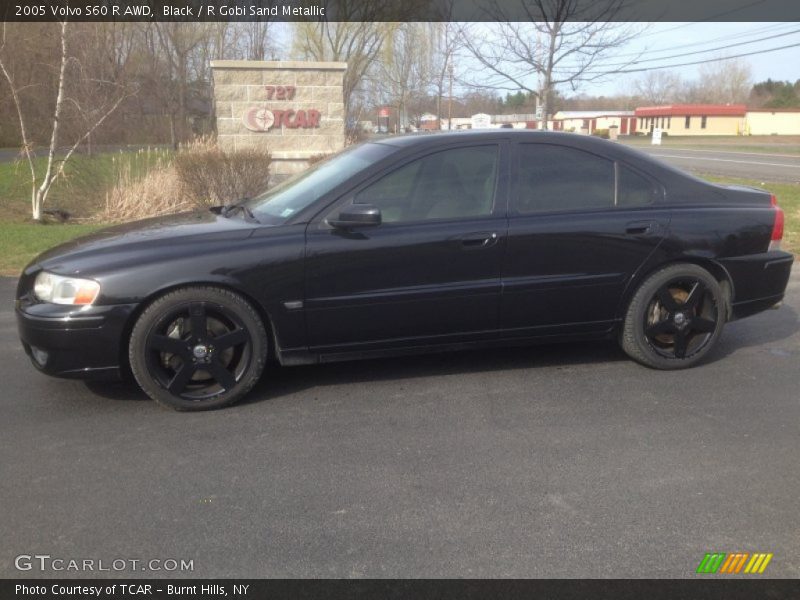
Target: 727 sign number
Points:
(280, 92)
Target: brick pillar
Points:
(292, 109)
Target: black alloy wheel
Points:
(674, 318)
(198, 348)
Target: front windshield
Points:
(280, 203)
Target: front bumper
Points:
(76, 342)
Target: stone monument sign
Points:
(293, 109)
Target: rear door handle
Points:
(475, 241)
(642, 228)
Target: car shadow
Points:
(281, 381)
(763, 329)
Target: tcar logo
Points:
(258, 119)
(735, 562)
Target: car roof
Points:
(609, 149)
(587, 142)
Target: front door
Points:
(430, 271)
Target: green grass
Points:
(81, 192)
(23, 241)
(82, 188)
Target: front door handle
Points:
(475, 241)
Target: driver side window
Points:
(450, 184)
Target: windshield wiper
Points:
(227, 210)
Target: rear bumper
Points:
(81, 343)
(759, 281)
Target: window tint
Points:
(633, 189)
(450, 184)
(555, 178)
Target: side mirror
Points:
(357, 215)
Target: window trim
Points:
(499, 202)
(514, 212)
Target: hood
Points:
(129, 239)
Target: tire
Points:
(674, 318)
(198, 348)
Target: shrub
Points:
(315, 158)
(213, 177)
(200, 174)
(601, 133)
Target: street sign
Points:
(383, 112)
(656, 136)
(481, 121)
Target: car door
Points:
(580, 225)
(431, 270)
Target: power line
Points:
(770, 37)
(700, 62)
(735, 36)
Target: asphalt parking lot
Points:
(552, 461)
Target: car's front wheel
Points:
(198, 348)
(674, 318)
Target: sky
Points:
(663, 40)
(660, 40)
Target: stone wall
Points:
(293, 109)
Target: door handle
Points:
(475, 241)
(642, 228)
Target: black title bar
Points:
(398, 10)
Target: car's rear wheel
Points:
(198, 348)
(674, 318)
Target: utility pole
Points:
(450, 98)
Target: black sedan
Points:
(410, 244)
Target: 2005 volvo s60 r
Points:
(410, 244)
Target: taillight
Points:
(777, 226)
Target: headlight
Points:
(49, 287)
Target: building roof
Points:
(680, 110)
(592, 114)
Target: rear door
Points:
(430, 271)
(580, 225)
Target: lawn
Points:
(82, 188)
(23, 241)
(80, 192)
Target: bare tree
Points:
(724, 81)
(405, 66)
(92, 115)
(357, 43)
(562, 42)
(658, 87)
(446, 46)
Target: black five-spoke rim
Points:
(198, 351)
(681, 318)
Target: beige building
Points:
(693, 119)
(772, 121)
(589, 121)
(293, 109)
